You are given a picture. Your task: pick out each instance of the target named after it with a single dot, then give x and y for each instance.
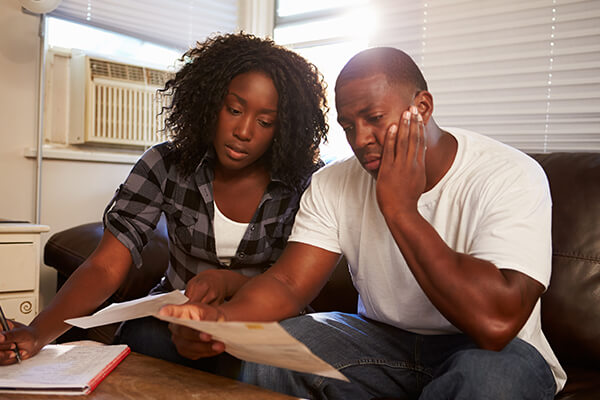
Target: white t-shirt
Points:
(493, 203)
(228, 234)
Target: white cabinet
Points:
(20, 270)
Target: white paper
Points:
(260, 342)
(263, 343)
(138, 308)
(58, 369)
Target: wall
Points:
(73, 192)
(19, 48)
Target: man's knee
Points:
(518, 372)
(317, 331)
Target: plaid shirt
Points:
(156, 186)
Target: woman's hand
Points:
(189, 342)
(21, 336)
(214, 286)
(208, 287)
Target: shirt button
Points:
(252, 228)
(242, 254)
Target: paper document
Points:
(62, 369)
(263, 343)
(138, 308)
(259, 342)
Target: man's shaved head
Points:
(396, 65)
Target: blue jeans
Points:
(152, 337)
(384, 361)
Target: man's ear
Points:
(424, 103)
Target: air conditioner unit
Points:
(114, 103)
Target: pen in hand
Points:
(6, 328)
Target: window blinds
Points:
(524, 72)
(173, 23)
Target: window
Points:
(106, 60)
(326, 34)
(91, 40)
(526, 73)
(171, 23)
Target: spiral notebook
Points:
(62, 369)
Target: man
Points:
(447, 235)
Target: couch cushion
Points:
(67, 249)
(570, 307)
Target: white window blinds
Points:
(173, 23)
(524, 72)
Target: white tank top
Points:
(228, 234)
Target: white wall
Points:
(73, 192)
(19, 46)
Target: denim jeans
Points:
(152, 337)
(384, 361)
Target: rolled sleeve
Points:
(134, 211)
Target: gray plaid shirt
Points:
(156, 186)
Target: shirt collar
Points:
(207, 163)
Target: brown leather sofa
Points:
(570, 307)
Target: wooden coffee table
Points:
(143, 377)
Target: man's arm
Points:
(91, 284)
(286, 288)
(488, 304)
(281, 292)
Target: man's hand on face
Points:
(401, 179)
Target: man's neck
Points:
(441, 151)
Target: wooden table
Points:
(143, 377)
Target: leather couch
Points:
(570, 306)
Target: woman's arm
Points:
(90, 285)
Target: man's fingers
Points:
(217, 347)
(194, 344)
(184, 311)
(184, 332)
(403, 136)
(422, 142)
(195, 311)
(412, 150)
(196, 349)
(389, 147)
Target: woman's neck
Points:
(239, 192)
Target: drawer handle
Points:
(26, 307)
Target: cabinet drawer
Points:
(20, 308)
(17, 267)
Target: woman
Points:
(246, 118)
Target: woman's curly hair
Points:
(198, 90)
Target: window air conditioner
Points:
(114, 103)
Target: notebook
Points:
(62, 369)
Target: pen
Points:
(6, 328)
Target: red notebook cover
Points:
(107, 370)
(63, 369)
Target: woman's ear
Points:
(424, 103)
